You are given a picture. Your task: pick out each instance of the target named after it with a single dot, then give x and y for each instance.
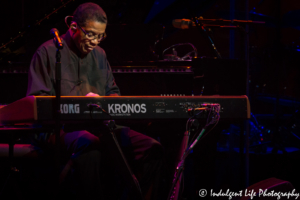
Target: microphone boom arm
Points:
(201, 26)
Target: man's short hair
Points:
(89, 11)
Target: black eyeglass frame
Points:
(86, 35)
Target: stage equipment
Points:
(174, 57)
(212, 113)
(39, 109)
(202, 23)
(89, 110)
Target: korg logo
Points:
(69, 108)
(127, 108)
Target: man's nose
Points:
(94, 42)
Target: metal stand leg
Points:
(183, 152)
(183, 147)
(120, 161)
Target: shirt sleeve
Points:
(39, 81)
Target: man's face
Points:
(84, 44)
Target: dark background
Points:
(134, 26)
(273, 47)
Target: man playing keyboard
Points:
(85, 71)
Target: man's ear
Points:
(73, 27)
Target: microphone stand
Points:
(202, 27)
(57, 99)
(199, 22)
(57, 108)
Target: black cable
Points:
(208, 131)
(207, 122)
(214, 115)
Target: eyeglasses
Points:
(90, 35)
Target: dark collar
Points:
(71, 44)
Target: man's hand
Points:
(92, 95)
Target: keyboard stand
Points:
(120, 161)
